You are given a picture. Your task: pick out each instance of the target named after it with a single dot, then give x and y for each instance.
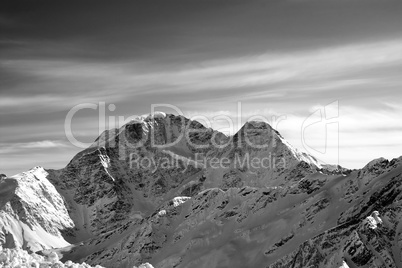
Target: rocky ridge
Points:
(189, 213)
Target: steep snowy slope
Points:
(32, 212)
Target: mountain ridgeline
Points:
(166, 190)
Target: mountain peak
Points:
(375, 162)
(260, 135)
(147, 117)
(257, 124)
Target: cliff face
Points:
(152, 191)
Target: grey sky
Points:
(276, 57)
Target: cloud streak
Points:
(267, 75)
(27, 146)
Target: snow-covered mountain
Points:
(33, 213)
(166, 190)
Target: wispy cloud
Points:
(59, 83)
(359, 134)
(45, 144)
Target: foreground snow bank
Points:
(18, 258)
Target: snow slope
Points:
(32, 212)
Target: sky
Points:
(326, 74)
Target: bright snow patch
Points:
(144, 117)
(344, 265)
(18, 258)
(177, 201)
(373, 220)
(162, 212)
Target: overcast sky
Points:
(277, 58)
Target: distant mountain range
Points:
(166, 190)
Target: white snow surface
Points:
(32, 212)
(177, 201)
(19, 258)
